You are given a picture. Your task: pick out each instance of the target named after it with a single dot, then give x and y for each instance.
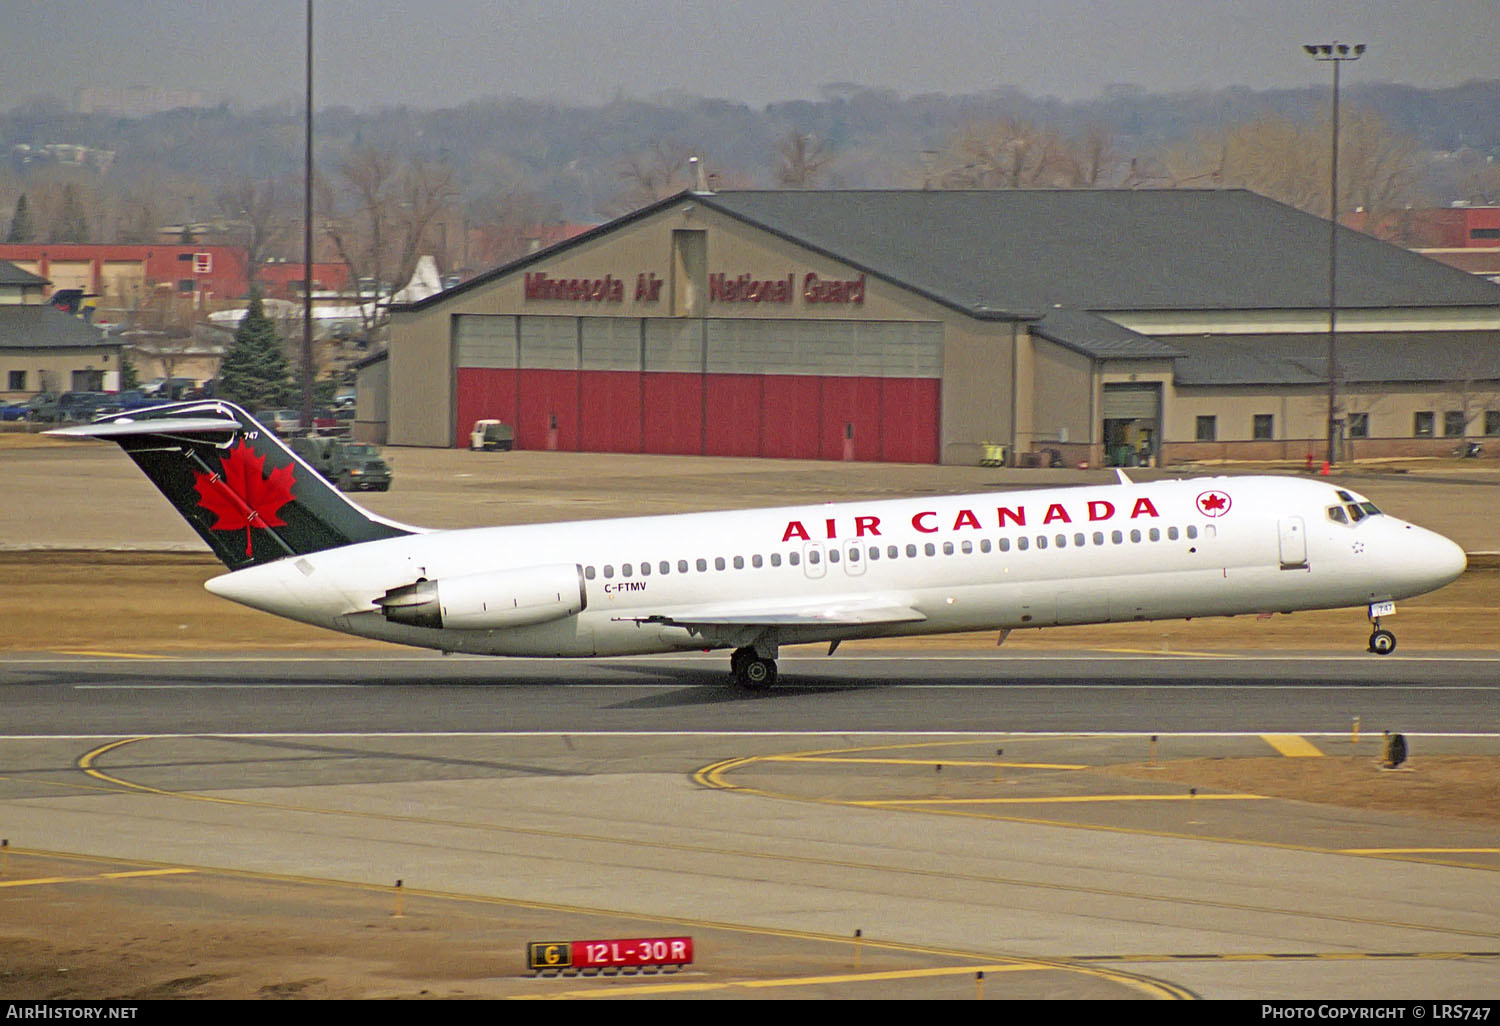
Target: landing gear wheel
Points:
(1382, 642)
(751, 671)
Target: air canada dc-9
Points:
(751, 581)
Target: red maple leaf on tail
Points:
(242, 497)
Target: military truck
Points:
(350, 466)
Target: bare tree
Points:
(258, 212)
(391, 208)
(1006, 154)
(657, 172)
(802, 160)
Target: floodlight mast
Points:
(1335, 53)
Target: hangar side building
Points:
(919, 326)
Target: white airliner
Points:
(751, 581)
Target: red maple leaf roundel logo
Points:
(1213, 504)
(243, 497)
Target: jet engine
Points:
(501, 598)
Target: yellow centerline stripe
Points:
(106, 655)
(633, 989)
(1293, 746)
(1063, 799)
(929, 762)
(40, 880)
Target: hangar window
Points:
(1263, 427)
(1455, 424)
(1492, 422)
(1422, 424)
(1358, 425)
(17, 381)
(1208, 429)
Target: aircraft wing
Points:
(852, 612)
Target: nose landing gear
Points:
(1382, 642)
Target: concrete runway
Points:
(614, 797)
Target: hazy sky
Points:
(442, 52)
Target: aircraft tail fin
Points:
(245, 493)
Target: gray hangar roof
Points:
(1026, 251)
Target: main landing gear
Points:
(751, 670)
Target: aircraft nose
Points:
(1435, 559)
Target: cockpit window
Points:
(1345, 496)
(1355, 513)
(1369, 507)
(1336, 514)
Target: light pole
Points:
(1335, 53)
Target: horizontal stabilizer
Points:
(167, 426)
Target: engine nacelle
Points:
(501, 598)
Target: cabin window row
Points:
(911, 550)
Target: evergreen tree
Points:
(255, 371)
(21, 227)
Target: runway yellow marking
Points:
(635, 989)
(715, 776)
(1063, 799)
(1146, 985)
(929, 762)
(131, 874)
(1419, 851)
(107, 655)
(1293, 746)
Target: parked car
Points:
(70, 406)
(14, 411)
(282, 422)
(351, 466)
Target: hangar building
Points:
(922, 326)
